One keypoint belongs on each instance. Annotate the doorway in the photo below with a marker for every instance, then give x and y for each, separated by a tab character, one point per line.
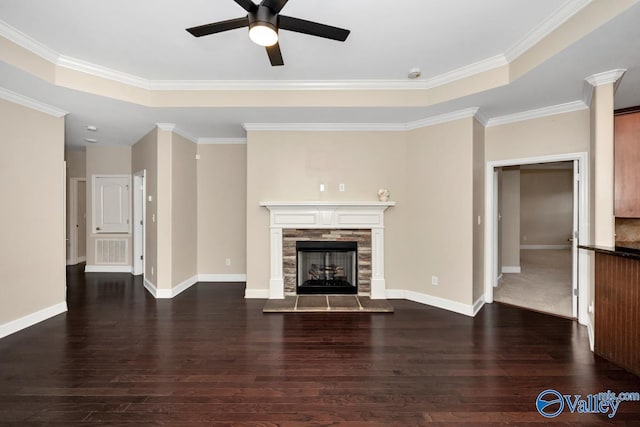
578	162
139	212
536	227
77	220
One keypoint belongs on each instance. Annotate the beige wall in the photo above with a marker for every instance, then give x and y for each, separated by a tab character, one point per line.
478	209
113	160
546	206
510	218
440	226
222	213
144	156
32	184
76	168
290	166
184	210
559	134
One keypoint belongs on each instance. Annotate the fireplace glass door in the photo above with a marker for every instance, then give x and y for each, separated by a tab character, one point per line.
327	267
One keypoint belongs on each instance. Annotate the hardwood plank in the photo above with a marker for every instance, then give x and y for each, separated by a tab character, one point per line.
210	357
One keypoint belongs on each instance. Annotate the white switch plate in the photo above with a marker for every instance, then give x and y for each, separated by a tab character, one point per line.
434	280
227	262
321	187
341	187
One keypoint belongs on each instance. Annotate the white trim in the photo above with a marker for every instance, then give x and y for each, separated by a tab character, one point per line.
469	70
590	332
107	269
544	247
221	141
442	118
607	77
555	20
176	290
511	269
157	293
256	293
362	127
31	319
477	306
443	303
21	39
169	127
490	255
73	219
285	85
150	287
139	266
185	134
25	101
222	277
567	107
325	127
103	72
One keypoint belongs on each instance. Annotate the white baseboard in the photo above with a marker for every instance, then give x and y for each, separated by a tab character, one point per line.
511	269
590	333
184	286
256	293
107	269
456	307
31	319
169	293
498	280
477	306
542	247
222	277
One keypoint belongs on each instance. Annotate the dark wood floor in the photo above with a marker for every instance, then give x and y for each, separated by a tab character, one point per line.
209	357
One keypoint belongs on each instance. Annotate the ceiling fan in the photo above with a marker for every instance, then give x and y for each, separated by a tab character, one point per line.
264	22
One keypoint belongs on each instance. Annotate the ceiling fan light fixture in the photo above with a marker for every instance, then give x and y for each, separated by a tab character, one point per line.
263	33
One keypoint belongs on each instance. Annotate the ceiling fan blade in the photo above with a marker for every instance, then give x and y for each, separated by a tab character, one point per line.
275	5
247	5
312	28
275	56
218	27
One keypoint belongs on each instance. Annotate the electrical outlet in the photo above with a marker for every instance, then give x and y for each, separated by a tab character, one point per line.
524	237
434	280
152	270
321	187
227	262
341	188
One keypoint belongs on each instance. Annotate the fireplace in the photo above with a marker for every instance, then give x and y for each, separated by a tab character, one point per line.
326	267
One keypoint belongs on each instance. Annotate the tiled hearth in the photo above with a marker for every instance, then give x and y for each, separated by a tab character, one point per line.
337	221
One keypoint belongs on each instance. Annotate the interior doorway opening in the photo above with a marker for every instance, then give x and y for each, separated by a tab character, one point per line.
139	214
77	221
493	242
535	231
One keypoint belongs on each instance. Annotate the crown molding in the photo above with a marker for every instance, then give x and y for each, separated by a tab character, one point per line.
362	127
221	141
442	118
284	85
607	77
100	71
467	71
18	37
537	113
169	127
325	127
16	98
555	20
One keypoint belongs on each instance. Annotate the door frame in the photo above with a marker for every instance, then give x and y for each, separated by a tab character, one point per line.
491	213
139	222
73	230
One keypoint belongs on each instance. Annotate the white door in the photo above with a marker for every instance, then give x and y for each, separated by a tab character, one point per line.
574	237
111	204
138	222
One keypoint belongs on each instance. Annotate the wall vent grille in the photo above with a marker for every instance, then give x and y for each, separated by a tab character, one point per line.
112	251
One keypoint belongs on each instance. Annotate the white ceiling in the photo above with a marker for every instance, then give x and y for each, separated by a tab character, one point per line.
146	38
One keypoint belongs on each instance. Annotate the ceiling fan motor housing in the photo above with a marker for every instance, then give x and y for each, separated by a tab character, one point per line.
263	16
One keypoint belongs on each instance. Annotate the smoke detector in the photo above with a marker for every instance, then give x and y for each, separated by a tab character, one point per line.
414	73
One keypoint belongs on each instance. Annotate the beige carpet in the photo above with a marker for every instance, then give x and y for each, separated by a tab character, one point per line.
544	283
324	303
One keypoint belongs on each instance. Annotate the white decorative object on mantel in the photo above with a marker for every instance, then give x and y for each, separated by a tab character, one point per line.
383	195
313	215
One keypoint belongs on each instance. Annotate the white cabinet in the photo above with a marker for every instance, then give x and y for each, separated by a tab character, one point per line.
111	206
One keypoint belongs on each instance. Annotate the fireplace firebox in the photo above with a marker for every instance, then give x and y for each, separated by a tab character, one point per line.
327	267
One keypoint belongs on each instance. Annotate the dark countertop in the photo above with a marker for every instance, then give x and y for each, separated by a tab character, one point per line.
624	249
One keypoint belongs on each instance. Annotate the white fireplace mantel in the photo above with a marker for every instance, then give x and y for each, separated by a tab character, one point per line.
319	215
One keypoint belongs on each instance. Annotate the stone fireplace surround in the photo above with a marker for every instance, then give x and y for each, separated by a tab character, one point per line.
326	216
